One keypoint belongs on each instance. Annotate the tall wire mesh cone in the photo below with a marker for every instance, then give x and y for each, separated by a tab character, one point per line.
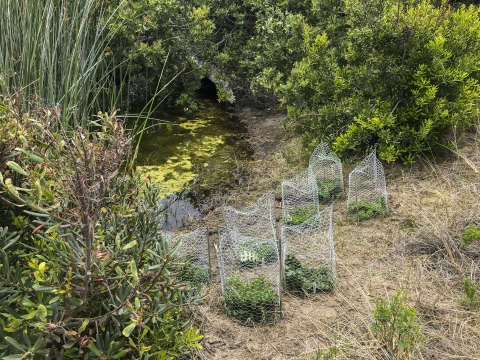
250	275
328	173
367	190
299	198
308	254
193	247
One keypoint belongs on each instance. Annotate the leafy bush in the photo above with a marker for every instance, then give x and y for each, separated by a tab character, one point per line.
254	253
299	215
91	274
299	278
386	78
329	190
365	209
471	234
470	299
397	326
255	302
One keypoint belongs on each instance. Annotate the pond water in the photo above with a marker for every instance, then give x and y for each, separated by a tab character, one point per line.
192	156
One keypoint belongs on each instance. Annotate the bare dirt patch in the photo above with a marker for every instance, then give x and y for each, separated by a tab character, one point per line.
416	248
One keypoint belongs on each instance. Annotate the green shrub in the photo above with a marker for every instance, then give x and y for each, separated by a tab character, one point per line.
255	302
256	252
365	209
195	275
90	273
470	299
299	278
329	190
386	78
471	234
397	326
299	215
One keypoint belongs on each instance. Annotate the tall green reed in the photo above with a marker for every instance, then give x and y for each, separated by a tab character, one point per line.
57	52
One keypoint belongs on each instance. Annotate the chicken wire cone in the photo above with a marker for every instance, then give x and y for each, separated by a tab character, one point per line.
367	189
299	198
255	221
250	275
327	169
194	248
308	254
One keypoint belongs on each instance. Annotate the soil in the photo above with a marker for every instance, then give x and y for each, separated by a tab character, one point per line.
415	248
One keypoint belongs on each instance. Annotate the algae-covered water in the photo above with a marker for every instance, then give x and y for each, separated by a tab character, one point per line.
191	156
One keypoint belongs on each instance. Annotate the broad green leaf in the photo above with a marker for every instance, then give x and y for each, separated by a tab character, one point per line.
128	330
30	315
15	344
42	312
94	349
42	288
28	303
13	357
15	167
130	245
83	326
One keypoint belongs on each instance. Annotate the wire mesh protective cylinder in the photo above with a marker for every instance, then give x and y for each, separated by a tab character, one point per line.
256	221
367	190
299	198
308	254
250	275
327	169
194	246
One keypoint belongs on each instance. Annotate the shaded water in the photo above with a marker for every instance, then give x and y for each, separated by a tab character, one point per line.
192	156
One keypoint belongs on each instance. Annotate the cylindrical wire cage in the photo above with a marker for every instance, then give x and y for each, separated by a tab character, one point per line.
308	254
299	198
328	173
367	190
250	275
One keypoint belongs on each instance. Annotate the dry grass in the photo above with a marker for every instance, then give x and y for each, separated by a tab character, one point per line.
416	248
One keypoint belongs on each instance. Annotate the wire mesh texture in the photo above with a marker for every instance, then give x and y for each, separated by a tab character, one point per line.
299	198
327	169
255	221
194	247
250	275
367	190
308	254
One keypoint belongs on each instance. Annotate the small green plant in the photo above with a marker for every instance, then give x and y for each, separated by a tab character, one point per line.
255	302
329	355
470	300
329	190
254	253
365	209
300	279
299	215
195	275
397	326
471	234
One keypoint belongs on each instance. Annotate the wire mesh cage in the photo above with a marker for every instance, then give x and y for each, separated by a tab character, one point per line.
250	275
367	190
308	254
327	169
299	198
256	221
194	247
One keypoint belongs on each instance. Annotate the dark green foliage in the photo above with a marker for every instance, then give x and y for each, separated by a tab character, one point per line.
365	209
470	299
195	275
329	190
299	215
256	252
299	278
256	302
471	234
